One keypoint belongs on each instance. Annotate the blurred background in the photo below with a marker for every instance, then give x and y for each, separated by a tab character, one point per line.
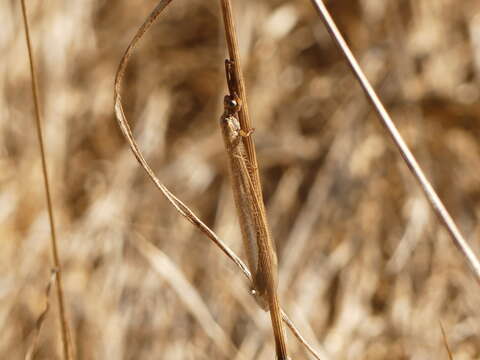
366	272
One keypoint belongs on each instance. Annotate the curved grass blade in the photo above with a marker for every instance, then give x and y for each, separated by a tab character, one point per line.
183	209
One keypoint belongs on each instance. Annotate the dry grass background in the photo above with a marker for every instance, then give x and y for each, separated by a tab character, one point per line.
366	272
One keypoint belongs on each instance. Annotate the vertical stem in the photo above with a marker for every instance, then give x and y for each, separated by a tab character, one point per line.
54	247
264	244
243	114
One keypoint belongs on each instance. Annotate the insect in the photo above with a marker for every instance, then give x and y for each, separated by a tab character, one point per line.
258	243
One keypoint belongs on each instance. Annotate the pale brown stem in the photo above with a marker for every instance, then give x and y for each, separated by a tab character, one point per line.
54	246
266	250
255	233
243	115
405	152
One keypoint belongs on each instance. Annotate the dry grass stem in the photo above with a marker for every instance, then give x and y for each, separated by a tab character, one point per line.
258	244
54	245
243	115
445	341
405	152
315	353
246	187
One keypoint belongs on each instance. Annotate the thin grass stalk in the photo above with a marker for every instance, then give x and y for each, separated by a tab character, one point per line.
264	243
54	246
405	152
253	224
445	342
243	115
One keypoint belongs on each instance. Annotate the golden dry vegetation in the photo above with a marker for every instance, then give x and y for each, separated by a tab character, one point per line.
366	271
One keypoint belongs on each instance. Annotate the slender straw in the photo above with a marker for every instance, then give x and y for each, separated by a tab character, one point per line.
54	247
244	116
407	155
252	169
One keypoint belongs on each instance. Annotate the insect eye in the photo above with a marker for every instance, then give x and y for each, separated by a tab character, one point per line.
230	102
